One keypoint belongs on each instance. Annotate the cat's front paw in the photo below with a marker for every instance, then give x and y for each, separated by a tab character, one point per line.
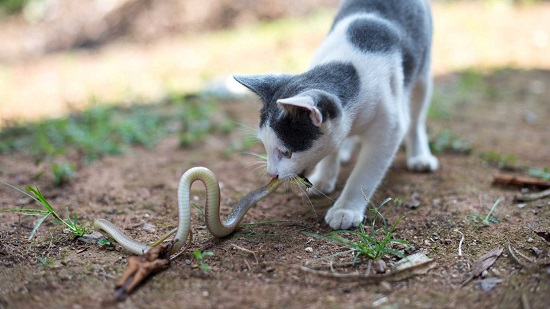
423	163
341	219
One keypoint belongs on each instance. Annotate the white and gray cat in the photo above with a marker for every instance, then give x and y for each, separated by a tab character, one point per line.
369	82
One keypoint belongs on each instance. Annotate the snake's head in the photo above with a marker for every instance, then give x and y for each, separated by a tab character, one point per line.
303	181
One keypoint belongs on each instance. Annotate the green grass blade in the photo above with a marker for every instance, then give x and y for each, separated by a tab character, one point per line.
37	225
16	188
27	211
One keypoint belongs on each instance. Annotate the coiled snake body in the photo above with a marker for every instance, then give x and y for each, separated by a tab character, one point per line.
212	211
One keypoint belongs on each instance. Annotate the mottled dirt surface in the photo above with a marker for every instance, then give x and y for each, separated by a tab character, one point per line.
509	114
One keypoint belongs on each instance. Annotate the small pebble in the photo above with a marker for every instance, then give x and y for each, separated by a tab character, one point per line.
309	249
521	205
484	274
146	215
379	266
488	284
530	118
530	239
91	238
385	286
380	301
149	228
537	251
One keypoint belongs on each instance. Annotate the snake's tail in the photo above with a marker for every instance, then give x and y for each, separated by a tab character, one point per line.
175	254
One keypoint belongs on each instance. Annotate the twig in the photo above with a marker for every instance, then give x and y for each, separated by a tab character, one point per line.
525	301
247	265
532	196
246	250
460	243
396	275
324	266
513	252
520	181
369	267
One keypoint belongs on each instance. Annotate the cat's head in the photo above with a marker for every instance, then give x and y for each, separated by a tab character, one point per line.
300	121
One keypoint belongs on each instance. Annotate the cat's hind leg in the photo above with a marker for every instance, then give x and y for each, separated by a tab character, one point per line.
419	156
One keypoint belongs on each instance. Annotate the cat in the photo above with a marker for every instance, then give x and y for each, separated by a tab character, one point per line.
369	83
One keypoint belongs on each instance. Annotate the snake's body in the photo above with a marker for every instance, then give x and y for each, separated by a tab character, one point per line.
215	225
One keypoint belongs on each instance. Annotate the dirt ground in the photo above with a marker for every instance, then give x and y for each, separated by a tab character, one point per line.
502	112
511	118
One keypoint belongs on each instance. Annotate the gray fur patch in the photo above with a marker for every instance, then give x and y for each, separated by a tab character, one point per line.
412	20
370	35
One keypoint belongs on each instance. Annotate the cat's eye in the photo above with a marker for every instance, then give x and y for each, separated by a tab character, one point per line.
287	154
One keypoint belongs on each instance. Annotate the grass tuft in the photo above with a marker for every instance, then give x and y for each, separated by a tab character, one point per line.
373	242
199	256
478	220
101	130
71	224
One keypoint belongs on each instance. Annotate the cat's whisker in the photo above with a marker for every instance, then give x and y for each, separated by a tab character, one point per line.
255	163
319	192
259	170
248	127
301	186
263	157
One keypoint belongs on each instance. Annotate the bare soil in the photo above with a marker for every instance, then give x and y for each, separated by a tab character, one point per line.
140	187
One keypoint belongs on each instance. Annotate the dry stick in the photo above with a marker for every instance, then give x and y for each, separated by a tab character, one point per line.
532	196
246	250
460	243
525	301
397	275
329	266
520	181
513	252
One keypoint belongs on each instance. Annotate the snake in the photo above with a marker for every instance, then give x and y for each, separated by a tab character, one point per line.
216	226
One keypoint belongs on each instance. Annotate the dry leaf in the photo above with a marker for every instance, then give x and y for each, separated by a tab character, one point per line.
483	263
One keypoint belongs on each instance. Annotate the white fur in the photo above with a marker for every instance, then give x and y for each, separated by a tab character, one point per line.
379	121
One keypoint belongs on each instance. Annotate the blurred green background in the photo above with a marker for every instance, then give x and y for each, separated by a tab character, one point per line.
80	79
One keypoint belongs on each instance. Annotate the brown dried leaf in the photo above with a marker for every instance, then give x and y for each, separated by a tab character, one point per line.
483	263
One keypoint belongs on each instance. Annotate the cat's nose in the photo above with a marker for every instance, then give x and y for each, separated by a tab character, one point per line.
273	176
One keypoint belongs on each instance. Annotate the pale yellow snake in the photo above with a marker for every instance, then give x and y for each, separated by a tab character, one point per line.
212	211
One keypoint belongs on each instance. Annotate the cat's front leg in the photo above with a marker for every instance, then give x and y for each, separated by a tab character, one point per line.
378	149
325	175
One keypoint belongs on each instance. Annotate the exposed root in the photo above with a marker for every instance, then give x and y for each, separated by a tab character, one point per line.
141	267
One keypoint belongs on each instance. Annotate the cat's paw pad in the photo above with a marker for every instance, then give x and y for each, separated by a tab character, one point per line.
423	163
341	219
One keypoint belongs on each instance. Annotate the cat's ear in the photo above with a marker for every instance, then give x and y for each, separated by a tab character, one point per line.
303	102
264	85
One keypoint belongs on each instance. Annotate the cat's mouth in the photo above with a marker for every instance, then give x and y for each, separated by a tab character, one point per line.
299	179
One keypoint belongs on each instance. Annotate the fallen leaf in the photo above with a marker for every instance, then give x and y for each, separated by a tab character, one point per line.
483	263
411	261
